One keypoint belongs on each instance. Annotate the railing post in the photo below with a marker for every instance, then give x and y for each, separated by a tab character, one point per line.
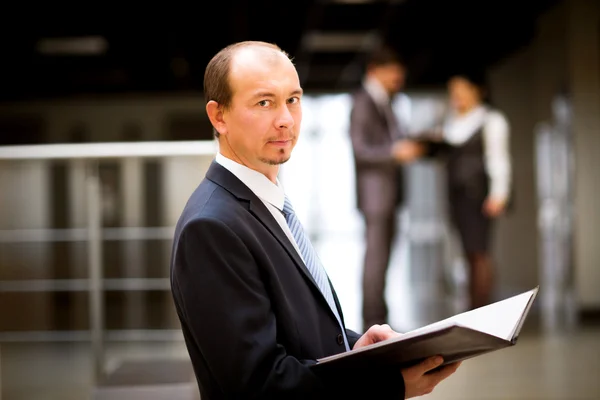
96	301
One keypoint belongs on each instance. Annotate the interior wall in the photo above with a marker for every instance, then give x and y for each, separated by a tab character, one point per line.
563	57
584	79
523	87
514	251
113	118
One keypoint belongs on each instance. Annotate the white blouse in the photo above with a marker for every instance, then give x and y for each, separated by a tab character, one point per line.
496	131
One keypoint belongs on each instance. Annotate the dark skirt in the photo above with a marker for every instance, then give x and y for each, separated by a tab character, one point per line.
467	216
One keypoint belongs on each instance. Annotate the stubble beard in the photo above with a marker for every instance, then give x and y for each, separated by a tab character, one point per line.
278	161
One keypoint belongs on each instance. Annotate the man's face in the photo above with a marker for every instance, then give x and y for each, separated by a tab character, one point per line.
262	125
391	76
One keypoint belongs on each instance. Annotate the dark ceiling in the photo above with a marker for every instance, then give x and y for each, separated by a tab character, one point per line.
167	49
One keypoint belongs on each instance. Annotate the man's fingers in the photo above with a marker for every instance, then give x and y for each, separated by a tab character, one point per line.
445	371
430	363
388	329
381	332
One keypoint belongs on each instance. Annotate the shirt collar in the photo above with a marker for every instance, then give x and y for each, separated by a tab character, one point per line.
458	127
262	187
376	91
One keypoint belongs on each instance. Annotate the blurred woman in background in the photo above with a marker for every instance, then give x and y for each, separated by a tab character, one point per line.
475	148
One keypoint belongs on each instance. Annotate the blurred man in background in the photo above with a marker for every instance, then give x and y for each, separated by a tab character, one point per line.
380	148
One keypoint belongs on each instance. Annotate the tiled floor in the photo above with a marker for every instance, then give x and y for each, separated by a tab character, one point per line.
63	371
538	367
562	367
541	366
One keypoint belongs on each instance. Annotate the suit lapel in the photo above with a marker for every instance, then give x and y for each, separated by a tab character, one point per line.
258	209
388	117
224	178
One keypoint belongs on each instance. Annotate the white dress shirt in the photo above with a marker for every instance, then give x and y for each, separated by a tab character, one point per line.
272	195
377	92
460	128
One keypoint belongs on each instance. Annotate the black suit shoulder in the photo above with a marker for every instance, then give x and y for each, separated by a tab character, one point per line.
212	202
360	97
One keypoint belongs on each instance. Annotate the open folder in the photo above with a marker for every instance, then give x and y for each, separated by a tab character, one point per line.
457	338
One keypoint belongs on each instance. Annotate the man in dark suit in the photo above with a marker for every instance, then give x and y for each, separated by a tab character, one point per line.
256	307
380	147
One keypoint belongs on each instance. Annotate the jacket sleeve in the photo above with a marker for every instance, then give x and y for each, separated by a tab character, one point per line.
352	337
228	314
361	125
496	135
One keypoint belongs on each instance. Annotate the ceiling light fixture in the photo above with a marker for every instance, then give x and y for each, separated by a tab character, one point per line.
85	45
340	41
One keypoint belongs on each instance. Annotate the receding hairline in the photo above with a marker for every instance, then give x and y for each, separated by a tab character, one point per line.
256	58
254	43
269	51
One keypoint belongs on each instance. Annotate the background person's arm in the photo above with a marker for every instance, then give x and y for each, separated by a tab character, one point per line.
497	162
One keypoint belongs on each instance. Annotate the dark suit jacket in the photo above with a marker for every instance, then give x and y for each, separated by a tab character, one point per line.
379	180
252	317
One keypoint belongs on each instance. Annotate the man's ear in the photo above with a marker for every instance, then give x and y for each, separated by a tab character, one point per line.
215	113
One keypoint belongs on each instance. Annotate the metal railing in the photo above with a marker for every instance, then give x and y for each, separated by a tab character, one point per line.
94	235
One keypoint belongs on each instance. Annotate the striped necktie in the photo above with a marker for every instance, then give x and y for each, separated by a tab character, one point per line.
311	260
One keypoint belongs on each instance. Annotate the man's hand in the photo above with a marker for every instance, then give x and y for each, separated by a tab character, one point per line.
374	334
406	151
418	382
419	379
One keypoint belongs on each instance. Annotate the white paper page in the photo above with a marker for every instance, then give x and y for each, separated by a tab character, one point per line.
436	326
497	319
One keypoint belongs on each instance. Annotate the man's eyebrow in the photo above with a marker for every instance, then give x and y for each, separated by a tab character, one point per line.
263	94
297	92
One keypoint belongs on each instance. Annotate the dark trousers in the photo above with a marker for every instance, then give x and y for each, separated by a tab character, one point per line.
379	234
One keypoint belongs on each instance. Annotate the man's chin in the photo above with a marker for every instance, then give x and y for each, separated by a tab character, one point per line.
276	161
282	157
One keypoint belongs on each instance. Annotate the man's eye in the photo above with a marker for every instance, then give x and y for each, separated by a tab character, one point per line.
263	103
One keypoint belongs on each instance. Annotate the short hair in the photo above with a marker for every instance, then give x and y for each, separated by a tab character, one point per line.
384	55
476	77
216	76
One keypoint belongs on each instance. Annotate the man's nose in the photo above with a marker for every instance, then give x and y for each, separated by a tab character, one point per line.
285	118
